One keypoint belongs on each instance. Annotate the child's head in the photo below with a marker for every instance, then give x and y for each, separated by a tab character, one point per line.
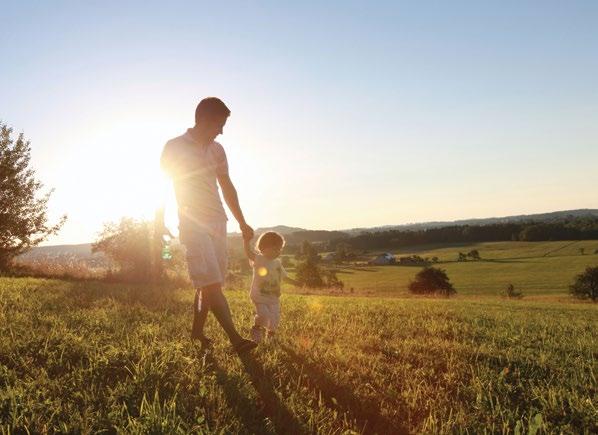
270	244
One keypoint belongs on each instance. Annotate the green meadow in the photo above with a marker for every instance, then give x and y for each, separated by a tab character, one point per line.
89	357
538	269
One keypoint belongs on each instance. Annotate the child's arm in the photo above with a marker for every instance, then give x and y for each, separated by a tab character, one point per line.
248	250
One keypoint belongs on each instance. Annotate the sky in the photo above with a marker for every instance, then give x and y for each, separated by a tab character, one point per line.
344	114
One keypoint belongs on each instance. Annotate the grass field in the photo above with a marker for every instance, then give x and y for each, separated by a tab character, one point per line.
92	357
536	268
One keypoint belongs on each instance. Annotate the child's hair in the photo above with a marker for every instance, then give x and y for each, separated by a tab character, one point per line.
270	239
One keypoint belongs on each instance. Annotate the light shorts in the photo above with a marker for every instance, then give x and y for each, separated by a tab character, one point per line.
267	314
205	250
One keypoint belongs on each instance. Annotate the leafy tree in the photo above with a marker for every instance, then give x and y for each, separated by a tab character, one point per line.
308	252
23	211
462	257
343	251
586	284
309	274
431	280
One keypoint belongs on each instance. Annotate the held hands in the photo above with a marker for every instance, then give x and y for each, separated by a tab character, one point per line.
247	231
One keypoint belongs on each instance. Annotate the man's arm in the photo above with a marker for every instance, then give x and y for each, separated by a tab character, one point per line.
232	201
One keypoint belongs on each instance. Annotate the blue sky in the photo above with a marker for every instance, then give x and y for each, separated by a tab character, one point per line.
344	115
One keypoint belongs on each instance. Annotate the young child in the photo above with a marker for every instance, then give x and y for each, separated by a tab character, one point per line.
268	275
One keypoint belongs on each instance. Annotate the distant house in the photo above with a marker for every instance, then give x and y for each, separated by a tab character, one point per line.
383	259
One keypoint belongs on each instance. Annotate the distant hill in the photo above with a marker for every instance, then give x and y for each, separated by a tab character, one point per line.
295	235
538	217
80	251
282	229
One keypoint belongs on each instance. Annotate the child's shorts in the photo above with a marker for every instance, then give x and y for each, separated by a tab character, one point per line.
267	314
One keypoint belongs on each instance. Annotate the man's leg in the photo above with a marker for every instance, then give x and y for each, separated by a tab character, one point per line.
200	314
216	301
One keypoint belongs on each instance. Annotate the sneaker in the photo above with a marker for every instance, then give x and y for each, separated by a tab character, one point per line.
244	346
257	334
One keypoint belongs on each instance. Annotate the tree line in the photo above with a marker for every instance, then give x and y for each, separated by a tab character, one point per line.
580	228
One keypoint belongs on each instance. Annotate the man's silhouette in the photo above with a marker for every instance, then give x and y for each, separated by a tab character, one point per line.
197	165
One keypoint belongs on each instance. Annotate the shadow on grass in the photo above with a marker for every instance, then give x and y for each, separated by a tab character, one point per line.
253	414
366	413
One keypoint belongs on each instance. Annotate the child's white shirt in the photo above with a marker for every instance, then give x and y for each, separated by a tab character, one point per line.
267	278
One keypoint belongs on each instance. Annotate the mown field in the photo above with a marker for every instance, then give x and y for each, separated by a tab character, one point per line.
93	357
536	268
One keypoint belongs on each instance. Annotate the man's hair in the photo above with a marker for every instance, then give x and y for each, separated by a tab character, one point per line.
270	239
211	108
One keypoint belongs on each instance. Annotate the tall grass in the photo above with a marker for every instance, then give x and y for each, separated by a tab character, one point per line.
93	357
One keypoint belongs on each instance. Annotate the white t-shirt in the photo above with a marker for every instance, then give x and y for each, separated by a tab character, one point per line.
194	170
267	277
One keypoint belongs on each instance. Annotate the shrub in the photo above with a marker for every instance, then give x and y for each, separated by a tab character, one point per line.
332	281
586	284
431	280
414	260
474	254
511	292
136	248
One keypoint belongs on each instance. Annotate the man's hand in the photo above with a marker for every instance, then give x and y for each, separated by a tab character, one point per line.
247	231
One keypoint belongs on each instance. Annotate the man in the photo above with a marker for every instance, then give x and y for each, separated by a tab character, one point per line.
197	164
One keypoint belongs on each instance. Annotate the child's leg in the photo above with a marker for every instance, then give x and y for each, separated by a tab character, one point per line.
260	321
274	309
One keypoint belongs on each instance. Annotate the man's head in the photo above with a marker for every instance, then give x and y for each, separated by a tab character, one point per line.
210	116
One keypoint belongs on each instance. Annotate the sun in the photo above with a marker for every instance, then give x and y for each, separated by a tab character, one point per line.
116	173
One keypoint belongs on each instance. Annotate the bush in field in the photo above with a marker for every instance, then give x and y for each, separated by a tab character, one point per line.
474	254
462	257
413	260
511	292
136	248
129	244
23	218
332	281
431	280
586	284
